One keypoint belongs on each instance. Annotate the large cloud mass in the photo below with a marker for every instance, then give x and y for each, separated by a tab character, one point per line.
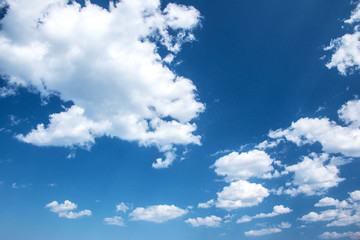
107	62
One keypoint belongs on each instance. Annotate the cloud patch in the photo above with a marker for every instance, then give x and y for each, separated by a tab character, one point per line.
267	231
344	213
107	62
334	138
241	194
277	210
116	220
65	210
243	166
157	213
210	221
314	175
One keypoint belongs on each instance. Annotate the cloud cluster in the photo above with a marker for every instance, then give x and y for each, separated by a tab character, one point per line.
335	235
241	194
116	220
211	221
267	231
107	62
157	213
235	166
277	210
344	213
122	207
65	210
333	137
314	175
346	56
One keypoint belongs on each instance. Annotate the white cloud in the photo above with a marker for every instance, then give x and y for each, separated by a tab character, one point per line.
107	63
323	216
313	175
241	194
74	215
327	202
261	232
116	220
7	91
277	210
208	204
335	235
65	129
169	158
332	137
244	219
157	213
346	212
346	56
355	196
267	231
211	221
268	144
122	207
350	113
235	166
65	210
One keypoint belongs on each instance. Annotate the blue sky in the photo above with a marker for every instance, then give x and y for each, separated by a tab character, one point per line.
143	119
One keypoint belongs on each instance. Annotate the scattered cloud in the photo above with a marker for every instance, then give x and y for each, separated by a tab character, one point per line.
107	62
314	175
157	213
65	210
241	194
208	204
333	137
243	166
211	221
267	231
350	113
18	186
346	48
346	212
116	220
122	207
335	235
277	210
7	91
268	144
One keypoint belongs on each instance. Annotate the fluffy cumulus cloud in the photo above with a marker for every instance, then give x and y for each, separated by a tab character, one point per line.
107	62
241	194
267	231
116	220
157	213
211	221
343	213
277	210
346	56
243	166
65	210
350	113
334	138
314	175
336	235
208	204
